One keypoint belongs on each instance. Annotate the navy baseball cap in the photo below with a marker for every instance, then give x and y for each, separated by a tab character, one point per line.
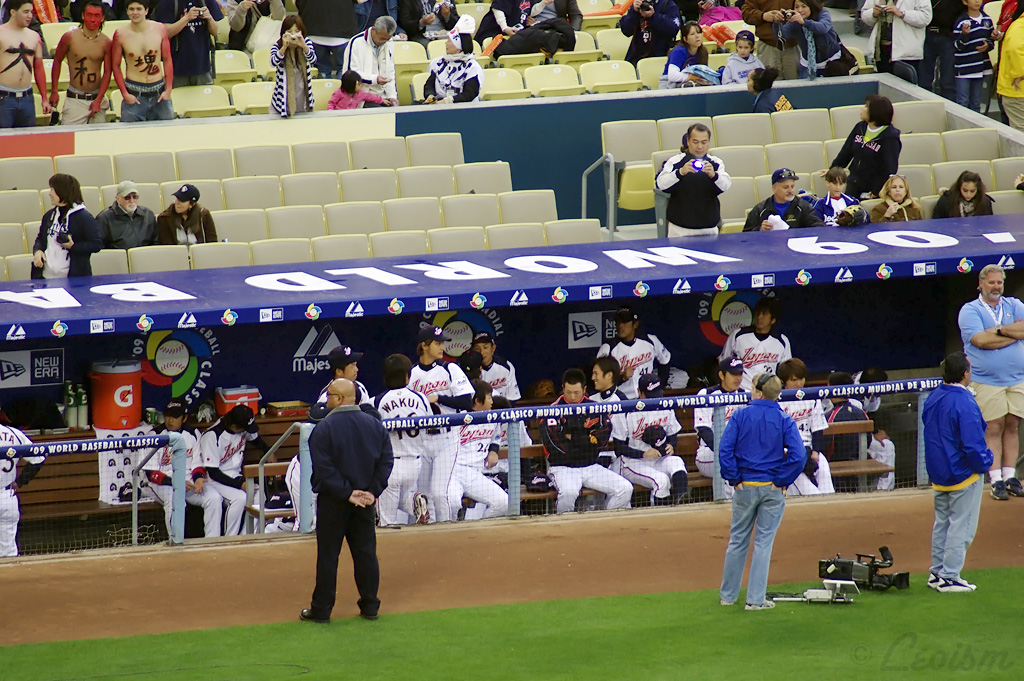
483	337
625	314
187	192
732	365
242	417
656	437
341	356
783	174
318	411
470	361
746	35
650	385
175	408
431	333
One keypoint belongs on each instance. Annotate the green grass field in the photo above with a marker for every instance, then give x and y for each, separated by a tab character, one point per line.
686	635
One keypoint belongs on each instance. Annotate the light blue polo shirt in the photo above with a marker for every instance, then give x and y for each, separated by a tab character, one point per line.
1002	367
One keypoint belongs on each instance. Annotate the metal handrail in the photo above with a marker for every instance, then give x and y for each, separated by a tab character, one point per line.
262	477
611	183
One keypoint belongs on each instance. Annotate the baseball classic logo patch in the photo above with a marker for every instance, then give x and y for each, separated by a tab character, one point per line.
181	359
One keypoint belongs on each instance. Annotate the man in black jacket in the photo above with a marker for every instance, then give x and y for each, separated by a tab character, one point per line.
352	460
124	223
938	47
694	180
426	20
551	26
329	24
782	210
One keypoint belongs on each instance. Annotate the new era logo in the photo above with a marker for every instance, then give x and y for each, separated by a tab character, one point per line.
519	299
599	292
844	275
16	332
354	310
582	330
926	269
10	369
101	326
271	314
682	286
762	280
187	321
436	304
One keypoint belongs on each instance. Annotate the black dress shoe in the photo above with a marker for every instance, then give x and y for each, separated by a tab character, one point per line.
368	616
307	616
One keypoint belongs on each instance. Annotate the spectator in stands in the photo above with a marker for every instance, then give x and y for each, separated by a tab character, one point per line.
775	52
68	234
742	61
192	30
87	51
689	52
975	37
816	38
457	76
966	198
185	222
351	94
836	200
816	478
426	20
572	444
293	57
21	56
782	210
124	223
505	18
145	85
369	11
243	15
872	149
897	34
551	26
1011	71
329	25
652	25
766	98
694	180
897	204
991	328
938	48
112	10
369	54
730	375
760	346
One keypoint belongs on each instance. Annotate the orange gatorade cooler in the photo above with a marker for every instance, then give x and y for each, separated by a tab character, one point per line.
224	399
116	394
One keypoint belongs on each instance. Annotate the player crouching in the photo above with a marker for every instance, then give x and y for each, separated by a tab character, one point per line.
478	452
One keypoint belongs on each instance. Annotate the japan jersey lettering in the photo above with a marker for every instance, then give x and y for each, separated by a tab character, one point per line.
809	417
442	379
475	441
640	356
404	403
502	377
759	355
639	421
161	461
224	450
9	467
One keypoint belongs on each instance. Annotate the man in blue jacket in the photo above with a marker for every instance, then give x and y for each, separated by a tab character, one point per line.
957	458
653	26
760	456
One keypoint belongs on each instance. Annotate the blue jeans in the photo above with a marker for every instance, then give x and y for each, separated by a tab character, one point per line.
938	47
148	109
968	92
751	506
17	112
328	59
956	521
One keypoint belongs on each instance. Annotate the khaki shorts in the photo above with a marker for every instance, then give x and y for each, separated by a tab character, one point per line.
998	401
76	112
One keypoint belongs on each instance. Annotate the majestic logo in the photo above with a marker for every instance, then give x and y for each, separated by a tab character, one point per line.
560	295
436	304
682	287
101	326
10	369
396	306
762	280
313	312
311	355
1006	262
271	314
844	275
478	301
181	359
884	272
581	330
144	324
719	314
722	283
519	299
354	310
641	289
16	332
600	292
229	317
803	277
59	329
187	321
965	266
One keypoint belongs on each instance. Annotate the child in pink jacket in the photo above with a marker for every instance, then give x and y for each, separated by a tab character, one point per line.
351	96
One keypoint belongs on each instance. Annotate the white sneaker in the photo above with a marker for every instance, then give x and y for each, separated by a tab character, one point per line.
727	603
767	605
419	504
953	586
934	580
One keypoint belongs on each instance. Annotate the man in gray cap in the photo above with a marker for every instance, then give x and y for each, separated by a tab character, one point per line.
125	224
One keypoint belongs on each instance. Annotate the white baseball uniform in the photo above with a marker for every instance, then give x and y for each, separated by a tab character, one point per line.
704	417
225	451
159	469
10	514
760	352
884	452
362	396
654	474
475	442
454	393
501	374
408	447
639	355
618	421
810	419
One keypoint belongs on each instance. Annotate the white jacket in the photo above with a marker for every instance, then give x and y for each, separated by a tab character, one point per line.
359	57
907	33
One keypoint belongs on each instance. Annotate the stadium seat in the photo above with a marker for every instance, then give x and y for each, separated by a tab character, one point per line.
436	48
565	232
457	239
280	251
368	185
323	90
945	174
745	161
515	235
149	196
519	62
319	157
658	160
210	194
609	76
205	164
210	256
288	222
31	232
425	180
489	177
971	143
52	34
410	57
802	125
612	43
1007	202
310	189
470	210
384	153
803	157
586	51
340	247
1006	171
743	129
502	84
19	267
763	185
717	60
928	205
148	167
733	227
741	197
869	204
435	148
252	98
919	176
844	118
251	192
354	217
158	259
27	172
649	71
109	261
201	101
535	205
630	141
269	160
90	194
919	116
832	149
240	225
922	147
553	80
98	169
416	86
671	130
261	62
22	205
398	244
596	24
232	66
862	67
12	239
412	213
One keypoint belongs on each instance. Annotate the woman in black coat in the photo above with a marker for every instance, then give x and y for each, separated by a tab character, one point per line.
872	151
68	233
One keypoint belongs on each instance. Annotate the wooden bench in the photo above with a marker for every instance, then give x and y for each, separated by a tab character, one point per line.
254	495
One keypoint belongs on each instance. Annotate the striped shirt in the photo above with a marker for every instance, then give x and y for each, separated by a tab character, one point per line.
970	63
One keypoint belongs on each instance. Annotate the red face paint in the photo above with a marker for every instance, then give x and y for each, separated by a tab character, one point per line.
92	18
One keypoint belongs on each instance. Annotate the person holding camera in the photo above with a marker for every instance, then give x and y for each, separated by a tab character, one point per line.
897	34
192	29
426	20
293	57
652	25
768	18
68	234
243	15
507	17
694	180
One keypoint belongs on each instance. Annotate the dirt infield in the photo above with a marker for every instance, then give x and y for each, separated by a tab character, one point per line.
117	593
